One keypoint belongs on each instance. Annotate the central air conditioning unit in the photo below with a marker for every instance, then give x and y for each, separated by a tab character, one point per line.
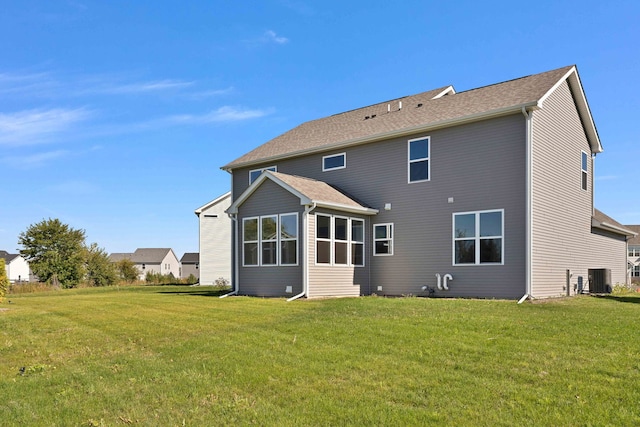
600	281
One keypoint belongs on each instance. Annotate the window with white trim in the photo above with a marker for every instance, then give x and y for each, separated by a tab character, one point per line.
634	250
478	237
635	271
418	157
339	240
383	239
334	161
254	174
585	169
270	240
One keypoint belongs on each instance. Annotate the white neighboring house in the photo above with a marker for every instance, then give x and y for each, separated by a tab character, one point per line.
215	240
157	260
633	254
16	266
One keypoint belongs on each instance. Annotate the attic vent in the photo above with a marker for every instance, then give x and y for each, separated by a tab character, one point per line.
420	105
373	116
366	117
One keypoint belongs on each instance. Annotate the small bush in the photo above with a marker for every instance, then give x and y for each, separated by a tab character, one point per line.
221	282
192	280
4	280
622	289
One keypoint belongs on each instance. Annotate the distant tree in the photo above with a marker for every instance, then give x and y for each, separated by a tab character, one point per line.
127	270
55	252
192	279
98	269
4	280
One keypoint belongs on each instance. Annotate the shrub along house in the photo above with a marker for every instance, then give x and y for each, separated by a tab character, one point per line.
482	193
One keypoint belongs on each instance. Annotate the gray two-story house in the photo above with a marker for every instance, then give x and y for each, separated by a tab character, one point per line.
481	193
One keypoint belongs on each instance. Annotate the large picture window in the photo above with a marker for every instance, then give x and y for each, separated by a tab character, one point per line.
270	240
478	237
383	239
339	240
419	163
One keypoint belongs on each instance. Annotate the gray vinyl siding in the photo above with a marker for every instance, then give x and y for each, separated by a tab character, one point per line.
187	269
481	165
336	280
215	243
562	210
270	199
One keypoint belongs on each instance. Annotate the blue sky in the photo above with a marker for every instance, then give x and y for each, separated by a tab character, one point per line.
115	116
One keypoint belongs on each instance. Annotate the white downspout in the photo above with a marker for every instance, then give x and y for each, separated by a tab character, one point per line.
529	202
439	281
305	253
236	284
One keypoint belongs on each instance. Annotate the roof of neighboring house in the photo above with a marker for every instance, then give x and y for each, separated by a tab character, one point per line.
636	229
143	255
424	111
605	222
213	203
310	191
7	256
190	258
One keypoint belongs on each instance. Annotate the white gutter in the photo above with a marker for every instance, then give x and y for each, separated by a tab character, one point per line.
236	284
529	202
305	253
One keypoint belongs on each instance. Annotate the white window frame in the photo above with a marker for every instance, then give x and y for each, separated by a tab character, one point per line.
344	163
635	271
245	241
477	238
634	251
390	237
269	168
421	159
273	240
278	240
281	239
584	172
353	242
332	241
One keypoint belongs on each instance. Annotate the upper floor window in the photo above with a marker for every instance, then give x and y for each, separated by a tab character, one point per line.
334	161
585	169
419	164
478	237
634	250
383	239
254	174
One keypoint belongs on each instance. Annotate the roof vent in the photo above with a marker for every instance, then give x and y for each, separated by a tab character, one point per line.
373	116
400	105
420	105
366	117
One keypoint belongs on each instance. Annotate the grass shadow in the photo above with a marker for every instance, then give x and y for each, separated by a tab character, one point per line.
197	292
621	298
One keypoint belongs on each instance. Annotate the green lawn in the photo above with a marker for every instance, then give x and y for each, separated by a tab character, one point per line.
174	356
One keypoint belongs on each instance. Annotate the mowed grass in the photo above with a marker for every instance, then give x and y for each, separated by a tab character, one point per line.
174	356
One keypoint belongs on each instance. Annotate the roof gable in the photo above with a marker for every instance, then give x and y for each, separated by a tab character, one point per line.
212	203
434	109
190	258
309	191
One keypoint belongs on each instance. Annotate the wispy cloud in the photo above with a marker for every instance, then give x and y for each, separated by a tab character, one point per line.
271	37
211	93
222	114
38	84
34	161
606	177
36	126
135	88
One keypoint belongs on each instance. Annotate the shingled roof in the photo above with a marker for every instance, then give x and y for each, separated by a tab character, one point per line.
310	191
605	222
428	110
142	255
636	229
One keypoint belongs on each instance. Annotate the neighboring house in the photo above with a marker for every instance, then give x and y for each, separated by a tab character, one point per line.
482	193
215	240
190	264
633	254
16	266
157	260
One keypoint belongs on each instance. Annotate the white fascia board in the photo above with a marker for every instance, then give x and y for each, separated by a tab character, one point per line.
611	227
346	208
233	209
212	203
447	91
582	105
533	105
